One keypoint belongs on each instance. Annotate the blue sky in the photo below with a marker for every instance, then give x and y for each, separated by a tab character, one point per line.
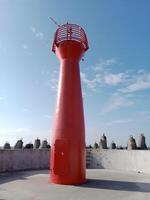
115	73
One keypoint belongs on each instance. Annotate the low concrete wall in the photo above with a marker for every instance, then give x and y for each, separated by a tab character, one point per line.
24	159
129	160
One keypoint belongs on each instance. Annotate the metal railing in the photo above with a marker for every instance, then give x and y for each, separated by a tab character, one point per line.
70	32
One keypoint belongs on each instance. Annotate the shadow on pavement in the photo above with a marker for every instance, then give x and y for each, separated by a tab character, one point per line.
21	175
117	185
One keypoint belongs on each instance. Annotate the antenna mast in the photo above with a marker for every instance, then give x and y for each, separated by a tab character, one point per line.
54	21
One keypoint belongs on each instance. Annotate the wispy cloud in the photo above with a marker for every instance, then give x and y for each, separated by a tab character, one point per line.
27	134
90	83
114	79
52	80
103	75
48	116
115	102
119	121
13	131
129	81
3	98
144	115
25	46
38	34
53	83
104	63
141	82
26	110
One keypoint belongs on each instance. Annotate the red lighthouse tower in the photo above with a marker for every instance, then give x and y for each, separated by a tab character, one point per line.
68	134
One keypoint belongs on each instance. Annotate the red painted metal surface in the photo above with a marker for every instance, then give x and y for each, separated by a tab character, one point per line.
67	162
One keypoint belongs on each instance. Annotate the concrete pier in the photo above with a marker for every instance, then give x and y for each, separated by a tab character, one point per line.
101	184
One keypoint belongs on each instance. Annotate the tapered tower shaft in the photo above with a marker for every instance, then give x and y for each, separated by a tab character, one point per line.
68	135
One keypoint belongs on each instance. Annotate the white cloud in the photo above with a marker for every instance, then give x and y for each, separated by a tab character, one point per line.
52	82
115	102
48	116
3	98
122	121
119	121
142	82
26	110
27	134
104	63
102	79
33	29
144	115
13	131
103	76
89	83
114	79
140	71
38	34
25	46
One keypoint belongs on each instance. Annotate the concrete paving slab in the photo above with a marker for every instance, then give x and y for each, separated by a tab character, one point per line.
102	184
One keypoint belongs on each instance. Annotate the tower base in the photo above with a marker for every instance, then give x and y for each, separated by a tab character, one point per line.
67	182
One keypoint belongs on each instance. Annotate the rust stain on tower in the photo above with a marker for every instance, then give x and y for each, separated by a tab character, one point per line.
68	135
